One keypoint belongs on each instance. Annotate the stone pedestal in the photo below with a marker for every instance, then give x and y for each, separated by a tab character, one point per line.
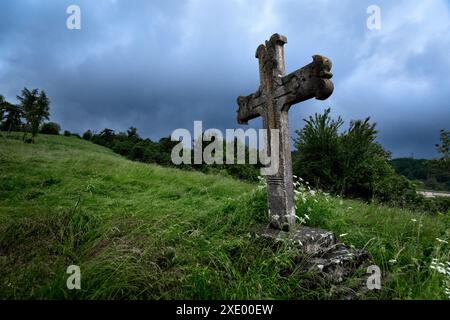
321	251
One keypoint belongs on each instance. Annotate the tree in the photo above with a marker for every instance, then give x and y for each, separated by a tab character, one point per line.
317	144
350	163
133	135
87	135
444	147
11	116
50	128
2	109
35	106
440	168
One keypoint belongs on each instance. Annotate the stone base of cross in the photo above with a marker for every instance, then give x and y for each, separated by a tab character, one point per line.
276	94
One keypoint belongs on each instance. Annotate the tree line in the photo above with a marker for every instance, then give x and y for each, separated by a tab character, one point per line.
349	163
136	148
428	174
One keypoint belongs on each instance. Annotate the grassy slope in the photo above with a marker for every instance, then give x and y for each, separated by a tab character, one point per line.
140	231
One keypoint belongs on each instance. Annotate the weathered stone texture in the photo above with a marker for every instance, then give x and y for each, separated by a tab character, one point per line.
276	94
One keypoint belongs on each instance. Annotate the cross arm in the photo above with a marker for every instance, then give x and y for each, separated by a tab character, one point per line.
250	106
311	81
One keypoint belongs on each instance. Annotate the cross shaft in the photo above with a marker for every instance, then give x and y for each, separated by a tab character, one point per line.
276	94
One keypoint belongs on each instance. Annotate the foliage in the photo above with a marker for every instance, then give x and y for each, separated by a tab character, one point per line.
132	146
35	107
10	116
67	133
413	169
432	174
444	147
50	128
88	135
2	108
350	164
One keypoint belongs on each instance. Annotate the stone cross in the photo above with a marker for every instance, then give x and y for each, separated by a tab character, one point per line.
276	94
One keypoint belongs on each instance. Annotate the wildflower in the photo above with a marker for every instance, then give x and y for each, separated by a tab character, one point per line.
301	220
441	241
392	261
440	267
343	235
414	220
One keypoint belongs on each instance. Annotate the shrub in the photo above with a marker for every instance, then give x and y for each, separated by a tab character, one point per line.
350	163
67	133
87	135
50	128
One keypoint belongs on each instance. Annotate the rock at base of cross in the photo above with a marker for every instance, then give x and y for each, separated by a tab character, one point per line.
319	250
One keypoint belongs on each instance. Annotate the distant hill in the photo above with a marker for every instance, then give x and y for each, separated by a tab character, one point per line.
423	172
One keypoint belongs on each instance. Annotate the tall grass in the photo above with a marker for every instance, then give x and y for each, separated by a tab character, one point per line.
144	232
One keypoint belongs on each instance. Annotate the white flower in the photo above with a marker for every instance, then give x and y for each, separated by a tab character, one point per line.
343	235
414	220
392	261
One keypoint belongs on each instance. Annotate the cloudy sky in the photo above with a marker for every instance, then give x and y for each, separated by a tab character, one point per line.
160	65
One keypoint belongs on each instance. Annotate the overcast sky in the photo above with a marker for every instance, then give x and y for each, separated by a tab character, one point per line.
160	65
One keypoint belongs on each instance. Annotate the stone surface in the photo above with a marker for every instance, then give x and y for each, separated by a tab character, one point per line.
276	94
334	260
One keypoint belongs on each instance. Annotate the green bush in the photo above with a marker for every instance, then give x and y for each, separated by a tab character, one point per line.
349	163
87	135
50	128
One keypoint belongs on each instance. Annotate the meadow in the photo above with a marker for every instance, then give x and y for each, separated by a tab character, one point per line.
141	231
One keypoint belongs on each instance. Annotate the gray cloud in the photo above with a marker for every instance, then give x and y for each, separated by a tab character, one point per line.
160	65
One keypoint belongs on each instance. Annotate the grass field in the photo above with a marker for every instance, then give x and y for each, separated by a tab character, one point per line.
140	231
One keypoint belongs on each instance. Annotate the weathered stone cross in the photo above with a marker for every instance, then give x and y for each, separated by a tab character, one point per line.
276	93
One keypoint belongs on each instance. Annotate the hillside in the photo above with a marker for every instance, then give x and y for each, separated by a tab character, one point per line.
422	172
140	231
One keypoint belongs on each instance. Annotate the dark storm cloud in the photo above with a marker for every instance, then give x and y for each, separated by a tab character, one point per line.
160	65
